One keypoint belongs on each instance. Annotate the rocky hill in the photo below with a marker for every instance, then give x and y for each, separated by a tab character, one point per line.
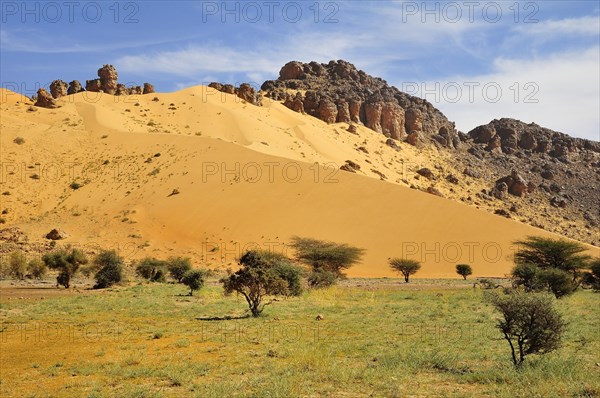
339	92
531	173
517	170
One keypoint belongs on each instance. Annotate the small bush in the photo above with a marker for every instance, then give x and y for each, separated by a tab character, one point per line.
75	185
530	323
36	268
464	270
534	278
194	279
19	140
151	269
17	264
178	266
110	269
321	278
592	278
67	262
559	282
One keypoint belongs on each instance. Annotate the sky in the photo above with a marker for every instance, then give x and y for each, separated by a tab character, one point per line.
537	61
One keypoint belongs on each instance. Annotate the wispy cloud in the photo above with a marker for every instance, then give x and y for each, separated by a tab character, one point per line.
37	42
559	91
583	26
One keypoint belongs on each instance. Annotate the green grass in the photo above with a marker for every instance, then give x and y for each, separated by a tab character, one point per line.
373	341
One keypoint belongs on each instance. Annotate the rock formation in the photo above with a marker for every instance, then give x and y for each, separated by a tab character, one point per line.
107	82
45	100
58	89
108	79
338	92
148	88
245	91
510	136
75	87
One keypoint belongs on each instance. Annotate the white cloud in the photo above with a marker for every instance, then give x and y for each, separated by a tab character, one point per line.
565	86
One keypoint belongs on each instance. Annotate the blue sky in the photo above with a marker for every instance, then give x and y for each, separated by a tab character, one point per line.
475	60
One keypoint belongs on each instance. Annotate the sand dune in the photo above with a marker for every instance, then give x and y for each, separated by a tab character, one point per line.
245	177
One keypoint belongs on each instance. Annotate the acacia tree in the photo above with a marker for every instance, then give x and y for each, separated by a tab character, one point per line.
529	323
194	279
549	264
263	274
464	270
178	266
326	256
547	253
67	262
405	266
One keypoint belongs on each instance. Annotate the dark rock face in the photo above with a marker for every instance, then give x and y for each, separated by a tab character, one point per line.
425	172
516	184
58	89
295	103
75	87
339	92
45	100
513	135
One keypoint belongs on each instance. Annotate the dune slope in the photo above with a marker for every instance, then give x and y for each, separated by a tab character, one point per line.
202	174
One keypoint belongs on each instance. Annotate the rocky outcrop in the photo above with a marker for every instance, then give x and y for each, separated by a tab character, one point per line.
75	87
248	94
107	82
58	88
45	100
516	184
245	91
148	88
108	79
295	103
511	136
339	92
93	85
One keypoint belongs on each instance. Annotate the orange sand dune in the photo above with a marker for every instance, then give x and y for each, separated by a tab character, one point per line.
243	177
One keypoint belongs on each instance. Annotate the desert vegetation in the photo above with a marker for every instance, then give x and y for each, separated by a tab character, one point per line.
406	267
514	332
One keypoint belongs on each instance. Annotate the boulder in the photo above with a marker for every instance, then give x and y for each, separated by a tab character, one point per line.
75	87
45	100
291	70
56	234
148	88
58	88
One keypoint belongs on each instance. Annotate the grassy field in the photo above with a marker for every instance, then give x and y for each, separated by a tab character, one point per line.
436	339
